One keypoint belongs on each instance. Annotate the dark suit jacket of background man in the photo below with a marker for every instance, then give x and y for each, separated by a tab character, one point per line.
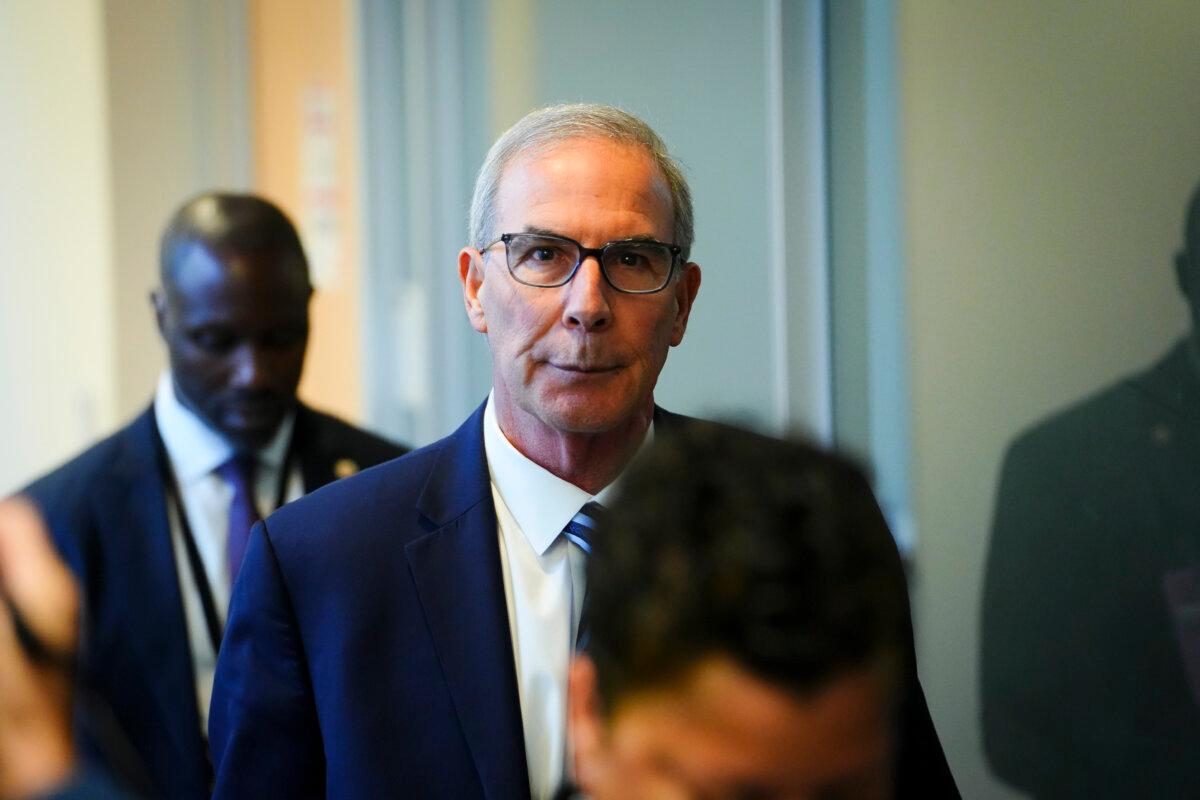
368	652
107	512
1084	690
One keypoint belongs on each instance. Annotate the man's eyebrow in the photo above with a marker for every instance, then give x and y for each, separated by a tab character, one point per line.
637	237
542	231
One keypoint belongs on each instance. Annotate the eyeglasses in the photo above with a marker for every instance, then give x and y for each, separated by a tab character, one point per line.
636	266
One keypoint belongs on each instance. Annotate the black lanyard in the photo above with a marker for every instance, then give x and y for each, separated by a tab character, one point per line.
195	564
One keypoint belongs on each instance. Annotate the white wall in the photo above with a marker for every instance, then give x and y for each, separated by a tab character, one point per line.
1049	149
177	85
57	319
111	113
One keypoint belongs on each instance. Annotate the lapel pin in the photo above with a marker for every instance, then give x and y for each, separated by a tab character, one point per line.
345	467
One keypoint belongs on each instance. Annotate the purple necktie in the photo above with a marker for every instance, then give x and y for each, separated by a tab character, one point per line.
238	472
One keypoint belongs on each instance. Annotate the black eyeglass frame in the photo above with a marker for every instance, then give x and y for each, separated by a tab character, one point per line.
675	250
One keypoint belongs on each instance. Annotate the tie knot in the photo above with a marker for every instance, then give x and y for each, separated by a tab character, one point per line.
583	525
239	471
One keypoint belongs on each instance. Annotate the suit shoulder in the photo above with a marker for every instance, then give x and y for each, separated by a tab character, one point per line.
670	424
1121	413
679	425
334	435
70	496
75	477
364	501
1089	448
1110	416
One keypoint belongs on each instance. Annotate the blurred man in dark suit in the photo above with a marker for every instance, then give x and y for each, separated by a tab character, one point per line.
154	520
1091	607
748	630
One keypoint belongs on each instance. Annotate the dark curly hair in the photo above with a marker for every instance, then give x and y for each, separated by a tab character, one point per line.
725	542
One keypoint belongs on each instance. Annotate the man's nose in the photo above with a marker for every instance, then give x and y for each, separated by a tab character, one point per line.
251	366
587	304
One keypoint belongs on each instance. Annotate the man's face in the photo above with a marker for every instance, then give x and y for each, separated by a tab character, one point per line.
236	328
582	357
722	733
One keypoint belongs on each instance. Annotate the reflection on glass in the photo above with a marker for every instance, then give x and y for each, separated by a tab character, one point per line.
1091	615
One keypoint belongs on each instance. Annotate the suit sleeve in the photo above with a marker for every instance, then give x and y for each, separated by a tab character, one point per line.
263	723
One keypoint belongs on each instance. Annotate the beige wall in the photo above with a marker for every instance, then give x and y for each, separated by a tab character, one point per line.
227	82
185	61
57	320
302	68
1049	148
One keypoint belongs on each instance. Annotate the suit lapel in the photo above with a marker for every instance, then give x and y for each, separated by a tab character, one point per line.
456	569
132	516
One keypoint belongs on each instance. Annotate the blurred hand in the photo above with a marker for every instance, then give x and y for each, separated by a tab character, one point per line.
36	751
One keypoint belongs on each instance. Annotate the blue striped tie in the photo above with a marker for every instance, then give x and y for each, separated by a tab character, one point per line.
580	531
581	527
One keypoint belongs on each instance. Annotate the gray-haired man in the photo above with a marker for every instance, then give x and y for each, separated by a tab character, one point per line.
409	631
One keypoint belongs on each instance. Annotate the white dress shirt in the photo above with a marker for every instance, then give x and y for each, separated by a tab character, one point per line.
195	452
544	586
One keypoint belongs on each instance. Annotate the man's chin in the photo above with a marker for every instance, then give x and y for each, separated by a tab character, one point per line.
246	436
591	415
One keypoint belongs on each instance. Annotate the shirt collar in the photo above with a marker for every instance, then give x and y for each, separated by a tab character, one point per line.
194	448
541	502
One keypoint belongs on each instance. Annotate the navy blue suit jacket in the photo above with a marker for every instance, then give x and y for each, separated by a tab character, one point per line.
107	513
368	651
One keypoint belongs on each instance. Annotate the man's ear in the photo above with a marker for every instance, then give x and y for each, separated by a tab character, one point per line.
685	289
470	274
158	301
585	722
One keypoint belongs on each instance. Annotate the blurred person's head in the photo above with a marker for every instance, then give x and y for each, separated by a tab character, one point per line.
1187	262
578	339
746	616
233	312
